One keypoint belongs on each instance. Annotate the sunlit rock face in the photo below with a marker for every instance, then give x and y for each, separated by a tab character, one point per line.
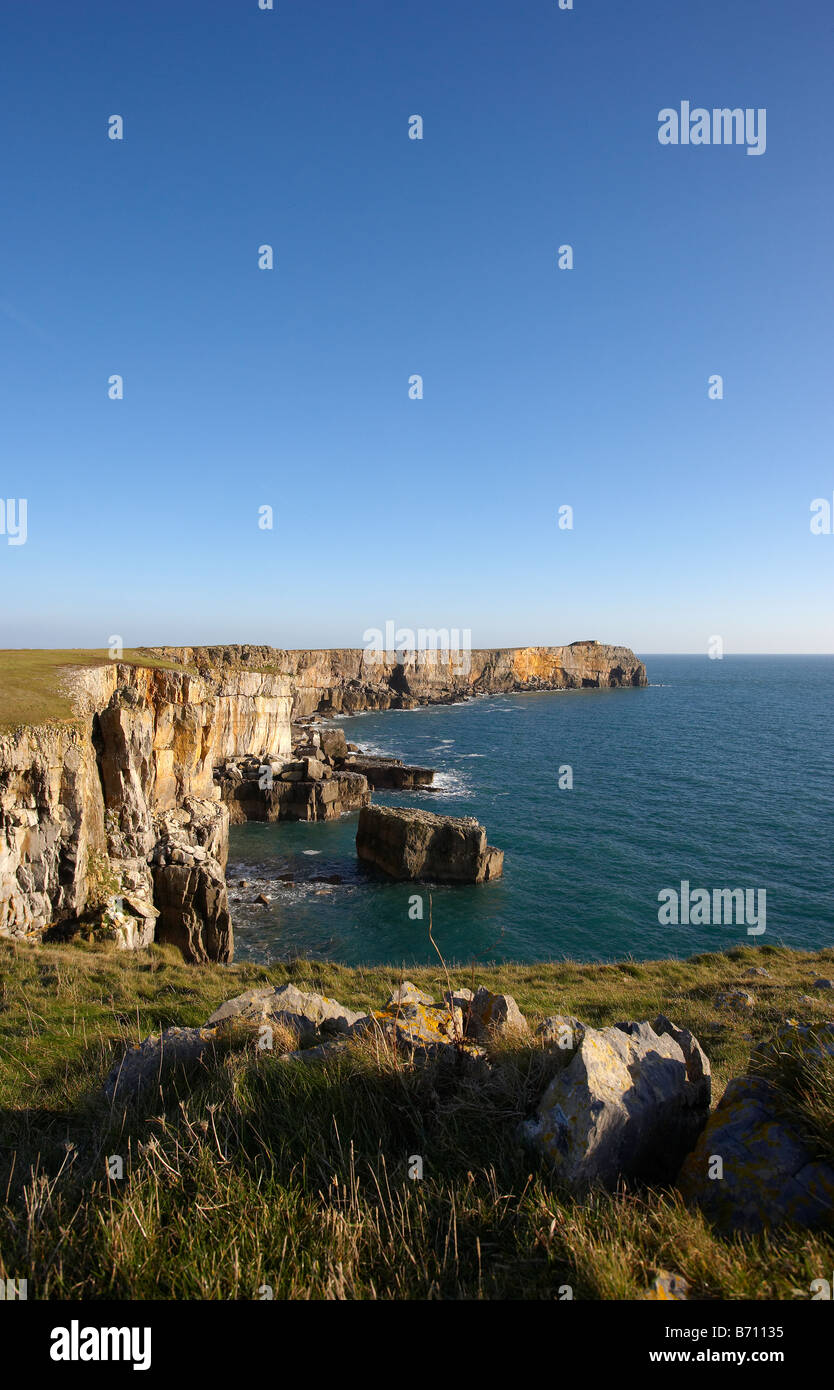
348	680
629	1101
404	843
80	802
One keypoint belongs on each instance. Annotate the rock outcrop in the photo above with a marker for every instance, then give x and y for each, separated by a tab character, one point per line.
306	1013
752	1168
491	1014
628	1102
767	1175
52	836
307	791
145	1064
322	781
410	844
193	905
390	773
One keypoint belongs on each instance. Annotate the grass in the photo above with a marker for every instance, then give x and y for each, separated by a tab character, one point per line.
31	681
246	1172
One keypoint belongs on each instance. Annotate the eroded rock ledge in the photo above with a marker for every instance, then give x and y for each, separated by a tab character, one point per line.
120	817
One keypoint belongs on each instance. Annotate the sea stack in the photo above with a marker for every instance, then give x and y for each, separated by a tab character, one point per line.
409	844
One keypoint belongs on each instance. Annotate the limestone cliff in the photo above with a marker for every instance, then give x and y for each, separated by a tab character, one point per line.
346	680
81	802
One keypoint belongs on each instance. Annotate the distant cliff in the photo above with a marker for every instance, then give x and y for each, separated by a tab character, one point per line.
115	816
347	680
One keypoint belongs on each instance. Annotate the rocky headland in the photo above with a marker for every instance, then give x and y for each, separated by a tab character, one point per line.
117	819
349	680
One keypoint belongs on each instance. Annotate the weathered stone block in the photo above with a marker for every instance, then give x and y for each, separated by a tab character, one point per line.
413	844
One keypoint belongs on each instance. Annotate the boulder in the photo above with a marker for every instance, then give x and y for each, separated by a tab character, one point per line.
415	1027
806	1041
494	1014
739	1000
409	844
767	1174
698	1069
407	993
459	998
623	1107
333	743
307	1013
561	1031
143	1065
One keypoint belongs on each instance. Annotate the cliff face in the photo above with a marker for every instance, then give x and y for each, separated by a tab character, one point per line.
118	811
51	823
82	804
346	680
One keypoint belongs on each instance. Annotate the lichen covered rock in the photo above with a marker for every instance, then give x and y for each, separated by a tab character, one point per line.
765	1176
623	1107
307	1013
415	1027
561	1031
407	993
494	1014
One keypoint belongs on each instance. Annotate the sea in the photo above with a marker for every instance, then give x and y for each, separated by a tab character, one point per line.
719	774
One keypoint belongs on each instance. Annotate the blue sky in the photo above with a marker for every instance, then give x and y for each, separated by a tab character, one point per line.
289	387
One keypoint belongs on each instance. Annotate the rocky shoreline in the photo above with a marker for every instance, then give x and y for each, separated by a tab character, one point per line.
116	823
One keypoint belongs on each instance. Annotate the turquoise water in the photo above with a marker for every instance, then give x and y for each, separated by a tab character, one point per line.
720	773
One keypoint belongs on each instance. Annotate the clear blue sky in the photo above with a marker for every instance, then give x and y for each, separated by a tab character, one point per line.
290	388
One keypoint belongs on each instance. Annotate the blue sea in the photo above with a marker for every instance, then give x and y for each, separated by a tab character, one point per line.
720	773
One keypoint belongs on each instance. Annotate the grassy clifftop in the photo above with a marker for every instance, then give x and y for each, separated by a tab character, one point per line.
250	1173
32	681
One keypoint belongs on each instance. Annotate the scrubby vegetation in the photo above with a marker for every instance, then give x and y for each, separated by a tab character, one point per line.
248	1174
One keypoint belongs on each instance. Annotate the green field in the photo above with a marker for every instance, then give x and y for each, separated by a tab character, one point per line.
249	1172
